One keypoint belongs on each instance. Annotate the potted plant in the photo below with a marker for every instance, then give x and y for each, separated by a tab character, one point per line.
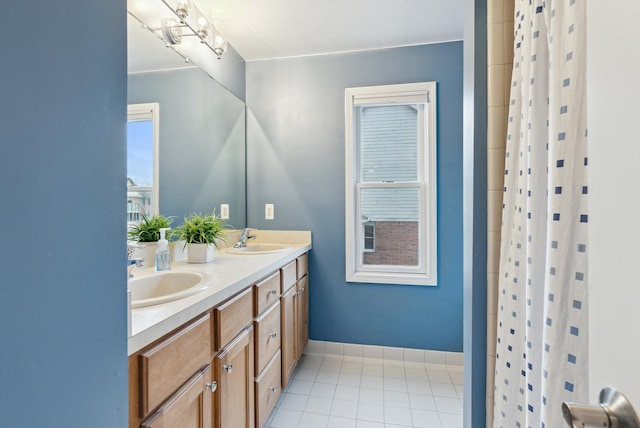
147	232
201	233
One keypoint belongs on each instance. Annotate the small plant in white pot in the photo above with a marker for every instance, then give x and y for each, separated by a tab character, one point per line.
201	233
147	232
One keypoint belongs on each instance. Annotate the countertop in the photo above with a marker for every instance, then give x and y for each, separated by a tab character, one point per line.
227	275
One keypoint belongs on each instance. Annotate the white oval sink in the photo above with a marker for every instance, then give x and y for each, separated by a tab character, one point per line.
259	249
164	287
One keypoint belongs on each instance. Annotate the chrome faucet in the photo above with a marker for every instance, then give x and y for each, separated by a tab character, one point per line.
244	236
133	263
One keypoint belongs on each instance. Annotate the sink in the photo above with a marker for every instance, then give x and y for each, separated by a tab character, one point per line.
253	249
164	287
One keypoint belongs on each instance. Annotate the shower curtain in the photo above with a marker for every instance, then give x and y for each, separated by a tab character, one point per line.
542	344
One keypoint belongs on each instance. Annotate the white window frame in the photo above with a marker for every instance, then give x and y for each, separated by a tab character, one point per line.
426	272
141	112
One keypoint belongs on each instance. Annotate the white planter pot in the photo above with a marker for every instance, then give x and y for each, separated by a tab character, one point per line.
146	252
200	253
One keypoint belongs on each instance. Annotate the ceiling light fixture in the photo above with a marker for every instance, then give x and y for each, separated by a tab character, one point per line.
192	22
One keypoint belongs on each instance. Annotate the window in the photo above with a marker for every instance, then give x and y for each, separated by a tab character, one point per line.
391	184
142	161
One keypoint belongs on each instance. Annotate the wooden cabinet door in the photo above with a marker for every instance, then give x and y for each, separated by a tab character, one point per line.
189	407
302	316
234	372
288	334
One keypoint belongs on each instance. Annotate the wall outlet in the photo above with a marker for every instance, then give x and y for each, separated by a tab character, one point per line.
224	211
268	212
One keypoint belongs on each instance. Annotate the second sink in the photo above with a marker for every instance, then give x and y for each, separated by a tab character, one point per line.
259	248
164	287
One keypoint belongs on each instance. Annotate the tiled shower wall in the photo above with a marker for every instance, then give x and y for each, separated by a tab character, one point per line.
500	63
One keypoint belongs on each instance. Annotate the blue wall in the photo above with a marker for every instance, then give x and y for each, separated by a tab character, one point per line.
295	159
63	337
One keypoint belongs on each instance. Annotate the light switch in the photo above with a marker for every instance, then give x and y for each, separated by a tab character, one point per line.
224	211
269	212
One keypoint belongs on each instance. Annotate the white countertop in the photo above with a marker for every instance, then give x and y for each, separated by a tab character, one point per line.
227	274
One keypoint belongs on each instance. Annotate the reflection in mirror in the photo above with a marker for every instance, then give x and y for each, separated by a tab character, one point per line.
202	130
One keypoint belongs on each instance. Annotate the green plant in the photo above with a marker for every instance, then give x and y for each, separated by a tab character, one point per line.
202	229
148	230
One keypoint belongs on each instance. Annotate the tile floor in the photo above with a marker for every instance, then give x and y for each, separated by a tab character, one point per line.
331	391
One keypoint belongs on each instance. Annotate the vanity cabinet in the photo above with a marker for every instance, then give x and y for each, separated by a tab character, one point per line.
170	380
302	305
267	327
225	368
235	394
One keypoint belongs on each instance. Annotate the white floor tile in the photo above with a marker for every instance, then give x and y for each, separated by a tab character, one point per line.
393	384
357	391
449	420
396	399
338	422
300	387
444	390
347	392
352	379
372	351
394	371
319	405
349	367
391	353
425	419
286	419
372	369
371	396
422	402
344	408
368	381
370	412
294	401
369	424
331	365
334	348
448	405
327	377
439	376
312	420
397	415
311	362
326	390
305	374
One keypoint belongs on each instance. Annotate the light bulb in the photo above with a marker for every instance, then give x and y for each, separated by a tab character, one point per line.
182	10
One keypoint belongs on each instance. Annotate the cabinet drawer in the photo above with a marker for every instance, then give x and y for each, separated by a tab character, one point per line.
302	265
167	365
232	317
266	293
268	390
267	329
289	276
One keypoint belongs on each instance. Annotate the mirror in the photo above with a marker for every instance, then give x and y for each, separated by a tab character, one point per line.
202	130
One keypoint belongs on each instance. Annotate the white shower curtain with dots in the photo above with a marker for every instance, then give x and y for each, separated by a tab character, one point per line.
542	344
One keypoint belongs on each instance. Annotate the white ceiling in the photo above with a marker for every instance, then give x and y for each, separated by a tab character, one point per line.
267	29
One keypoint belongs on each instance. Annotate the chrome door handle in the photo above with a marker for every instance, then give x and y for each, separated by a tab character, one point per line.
273	291
273	335
227	368
273	388
614	411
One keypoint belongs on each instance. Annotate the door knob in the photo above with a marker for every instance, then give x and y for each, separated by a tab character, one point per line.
614	411
228	368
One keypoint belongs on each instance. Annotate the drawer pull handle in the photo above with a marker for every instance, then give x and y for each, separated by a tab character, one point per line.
211	386
273	291
273	335
273	389
227	368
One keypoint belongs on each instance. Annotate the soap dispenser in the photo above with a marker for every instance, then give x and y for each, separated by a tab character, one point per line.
163	258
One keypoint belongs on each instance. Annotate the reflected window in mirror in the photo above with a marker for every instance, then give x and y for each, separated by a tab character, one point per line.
142	161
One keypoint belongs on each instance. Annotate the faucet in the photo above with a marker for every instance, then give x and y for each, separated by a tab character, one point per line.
133	263
244	236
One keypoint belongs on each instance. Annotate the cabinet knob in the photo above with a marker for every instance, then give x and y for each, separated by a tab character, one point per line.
227	368
273	291
211	386
273	335
273	388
